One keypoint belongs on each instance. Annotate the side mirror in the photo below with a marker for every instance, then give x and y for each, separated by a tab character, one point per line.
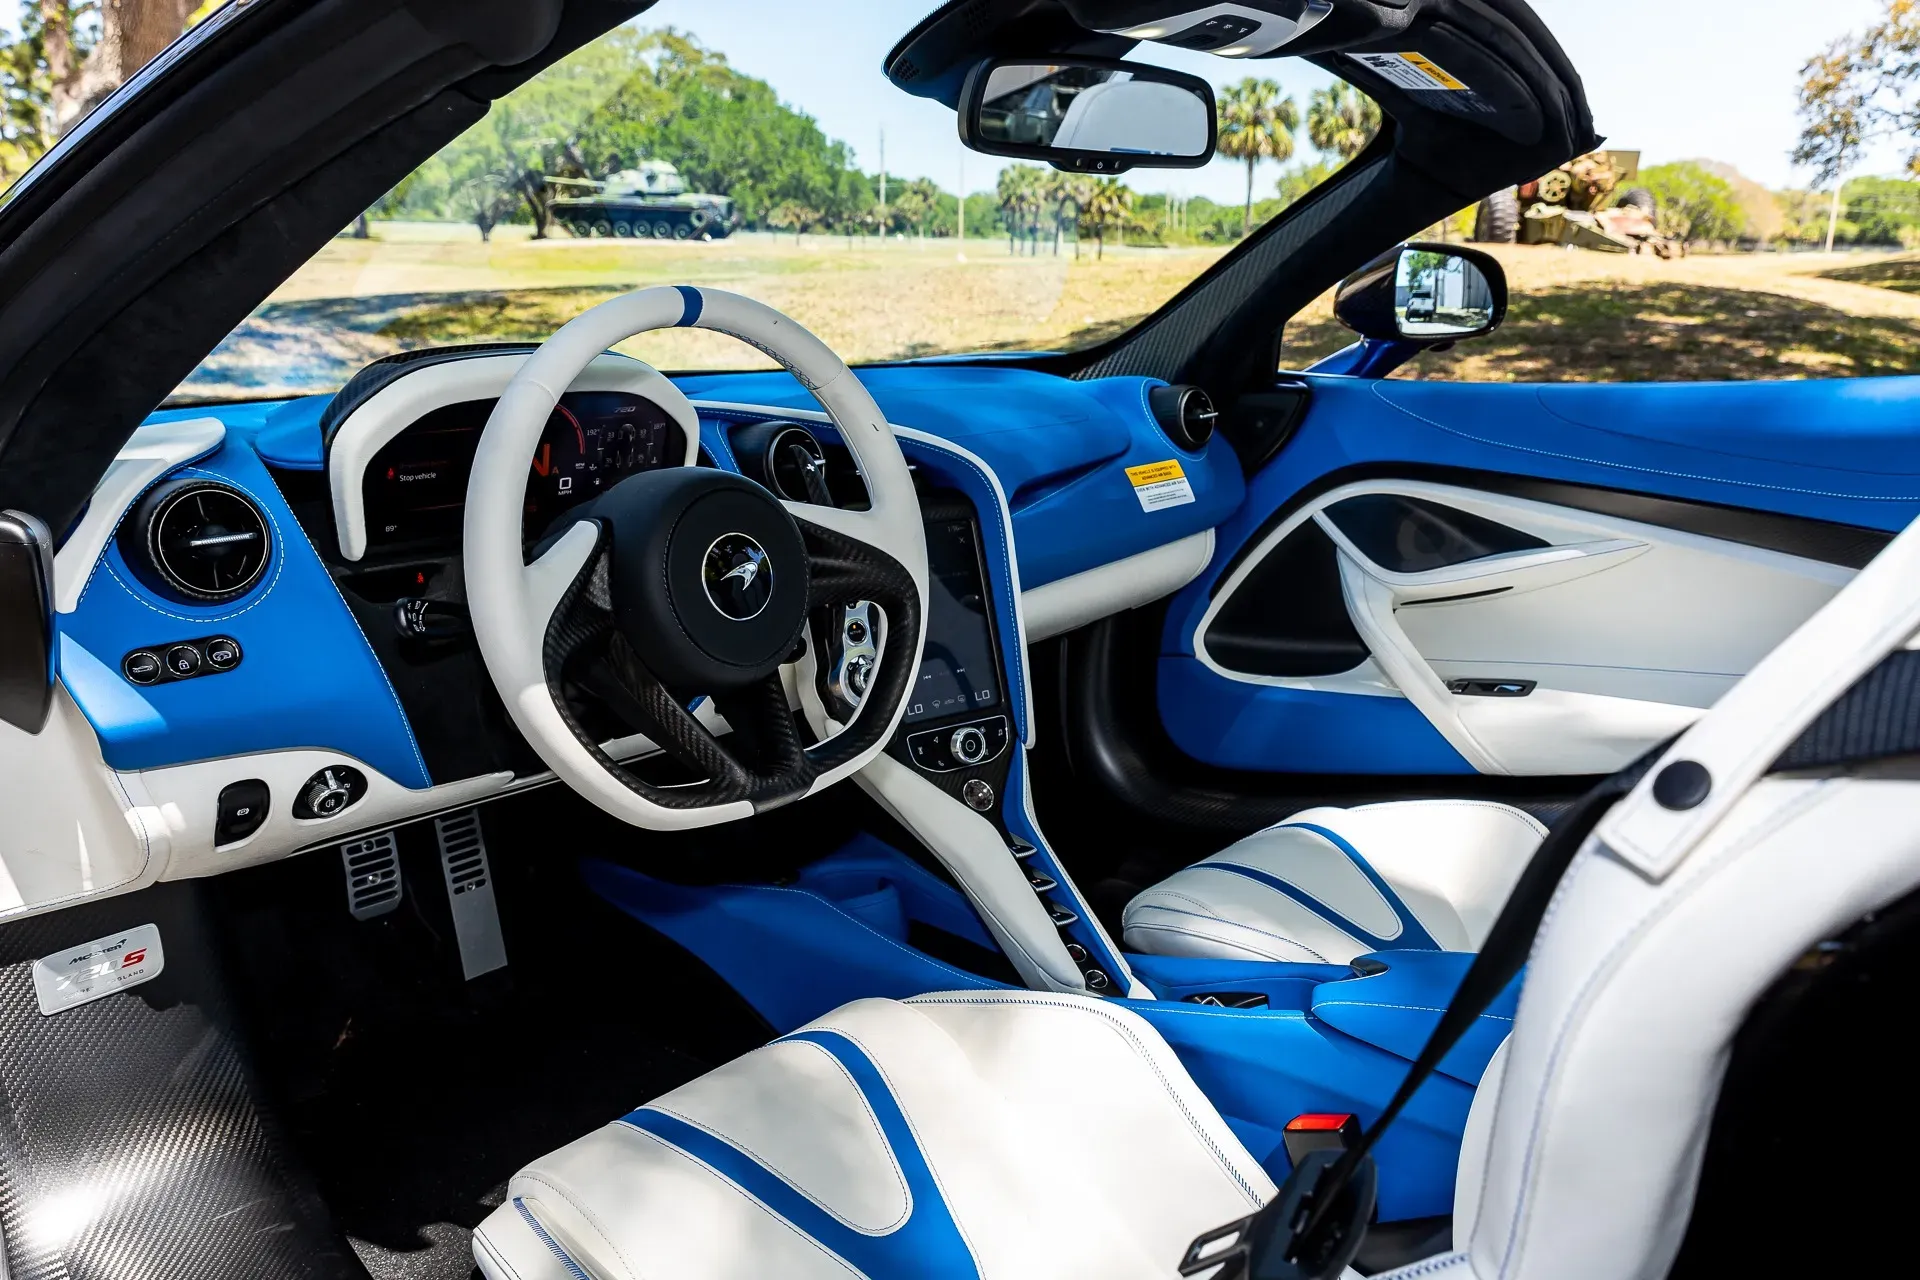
26	621
1425	294
1088	115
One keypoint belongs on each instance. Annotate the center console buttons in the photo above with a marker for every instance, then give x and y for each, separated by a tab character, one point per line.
960	746
978	794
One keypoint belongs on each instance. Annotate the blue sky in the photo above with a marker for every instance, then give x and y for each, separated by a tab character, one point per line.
1674	79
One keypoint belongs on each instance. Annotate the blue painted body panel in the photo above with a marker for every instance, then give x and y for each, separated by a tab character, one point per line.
307	679
1845	451
1060	449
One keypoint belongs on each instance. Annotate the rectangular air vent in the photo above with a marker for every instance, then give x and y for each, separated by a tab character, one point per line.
373	875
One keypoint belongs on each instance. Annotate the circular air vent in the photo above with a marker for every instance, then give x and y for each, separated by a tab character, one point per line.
796	465
206	542
1185	413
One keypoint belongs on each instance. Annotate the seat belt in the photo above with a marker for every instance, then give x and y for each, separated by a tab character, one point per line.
1315	1226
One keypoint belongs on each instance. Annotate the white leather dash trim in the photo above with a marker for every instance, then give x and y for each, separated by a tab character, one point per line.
148	454
1057	607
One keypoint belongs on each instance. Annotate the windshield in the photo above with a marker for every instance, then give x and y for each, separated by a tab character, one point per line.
710	145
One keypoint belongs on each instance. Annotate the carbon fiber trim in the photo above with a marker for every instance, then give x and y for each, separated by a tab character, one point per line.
133	1145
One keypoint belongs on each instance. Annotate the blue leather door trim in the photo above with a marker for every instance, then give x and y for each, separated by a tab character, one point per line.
1843	452
1237	725
928	1243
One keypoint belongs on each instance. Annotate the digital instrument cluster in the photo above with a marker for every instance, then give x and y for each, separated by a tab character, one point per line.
415	489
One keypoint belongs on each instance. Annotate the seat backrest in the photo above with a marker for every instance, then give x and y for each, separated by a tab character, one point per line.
1709	881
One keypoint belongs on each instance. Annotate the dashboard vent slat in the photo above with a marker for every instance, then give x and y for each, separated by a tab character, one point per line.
207	543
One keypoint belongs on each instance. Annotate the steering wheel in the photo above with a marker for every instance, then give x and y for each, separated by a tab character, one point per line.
686	582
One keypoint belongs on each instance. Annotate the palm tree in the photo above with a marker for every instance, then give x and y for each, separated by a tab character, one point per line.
1022	193
1256	123
1107	204
1342	120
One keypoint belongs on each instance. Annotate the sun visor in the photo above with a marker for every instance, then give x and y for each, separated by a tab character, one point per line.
1451	74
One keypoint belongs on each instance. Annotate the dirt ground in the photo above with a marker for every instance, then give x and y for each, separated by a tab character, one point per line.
1575	316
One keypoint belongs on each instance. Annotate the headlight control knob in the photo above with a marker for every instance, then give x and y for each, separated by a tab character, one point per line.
329	792
968	745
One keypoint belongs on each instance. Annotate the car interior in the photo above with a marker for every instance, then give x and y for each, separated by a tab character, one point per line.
529	811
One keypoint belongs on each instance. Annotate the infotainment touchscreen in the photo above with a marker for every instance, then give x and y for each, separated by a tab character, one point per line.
959	668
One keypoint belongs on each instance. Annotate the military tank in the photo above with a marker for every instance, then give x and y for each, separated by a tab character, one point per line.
1586	203
651	201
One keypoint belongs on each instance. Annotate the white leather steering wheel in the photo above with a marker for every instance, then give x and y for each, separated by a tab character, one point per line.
690	581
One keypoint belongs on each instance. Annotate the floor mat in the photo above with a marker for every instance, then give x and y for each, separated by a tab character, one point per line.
413	1094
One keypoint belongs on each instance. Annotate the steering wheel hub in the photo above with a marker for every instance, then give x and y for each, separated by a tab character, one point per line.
708	576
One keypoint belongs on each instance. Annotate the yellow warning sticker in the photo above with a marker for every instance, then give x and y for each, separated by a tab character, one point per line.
1409	70
1155	472
1160	484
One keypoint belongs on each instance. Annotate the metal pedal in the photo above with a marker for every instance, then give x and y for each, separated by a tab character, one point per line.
373	875
476	919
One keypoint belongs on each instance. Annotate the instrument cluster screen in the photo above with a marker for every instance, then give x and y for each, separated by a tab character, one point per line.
959	667
416	487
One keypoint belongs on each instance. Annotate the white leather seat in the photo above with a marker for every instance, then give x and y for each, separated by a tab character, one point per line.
1015	1135
1330	884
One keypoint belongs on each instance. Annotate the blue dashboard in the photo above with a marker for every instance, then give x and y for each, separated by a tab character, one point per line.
1060	451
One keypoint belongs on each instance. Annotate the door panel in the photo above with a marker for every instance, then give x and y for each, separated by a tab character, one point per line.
1397	613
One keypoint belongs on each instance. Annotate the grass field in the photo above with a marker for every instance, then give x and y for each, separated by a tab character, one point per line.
1575	316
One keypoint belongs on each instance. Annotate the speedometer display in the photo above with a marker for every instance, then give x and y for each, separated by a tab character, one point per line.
594	440
415	489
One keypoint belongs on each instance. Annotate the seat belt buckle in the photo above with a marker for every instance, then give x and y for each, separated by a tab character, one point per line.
1293	1237
1319	1131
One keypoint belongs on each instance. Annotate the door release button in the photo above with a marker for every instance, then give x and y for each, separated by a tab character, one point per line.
241	809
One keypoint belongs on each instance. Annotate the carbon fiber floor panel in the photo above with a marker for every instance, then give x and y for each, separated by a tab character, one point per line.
133	1145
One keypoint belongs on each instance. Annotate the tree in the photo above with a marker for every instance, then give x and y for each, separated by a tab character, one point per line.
1256	123
1021	190
1694	204
1108	204
1833	109
1341	120
917	205
81	72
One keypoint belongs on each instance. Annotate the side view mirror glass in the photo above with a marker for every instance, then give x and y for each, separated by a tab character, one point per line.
26	621
1426	294
1088	115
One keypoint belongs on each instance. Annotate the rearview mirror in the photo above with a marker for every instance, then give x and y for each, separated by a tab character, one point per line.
26	621
1088	115
1426	294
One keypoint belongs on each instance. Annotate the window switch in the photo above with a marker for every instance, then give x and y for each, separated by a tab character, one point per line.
242	808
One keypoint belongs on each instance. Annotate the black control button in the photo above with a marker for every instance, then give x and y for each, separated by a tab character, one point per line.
142	666
184	660
330	792
1061	916
978	794
856	631
1682	785
1097	980
1041	881
1077	953
223	654
242	808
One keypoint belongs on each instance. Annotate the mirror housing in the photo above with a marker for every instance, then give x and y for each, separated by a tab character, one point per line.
26	621
1424	294
1088	115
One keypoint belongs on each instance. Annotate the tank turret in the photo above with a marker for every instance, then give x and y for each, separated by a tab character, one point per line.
650	200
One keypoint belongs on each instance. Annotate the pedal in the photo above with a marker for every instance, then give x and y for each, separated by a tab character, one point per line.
476	918
373	875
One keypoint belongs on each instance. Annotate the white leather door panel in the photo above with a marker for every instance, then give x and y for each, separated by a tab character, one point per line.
1617	633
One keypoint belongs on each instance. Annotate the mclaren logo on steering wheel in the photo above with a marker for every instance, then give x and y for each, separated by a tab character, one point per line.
738	576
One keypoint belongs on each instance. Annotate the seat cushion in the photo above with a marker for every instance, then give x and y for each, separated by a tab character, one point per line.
1330	884
960	1134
